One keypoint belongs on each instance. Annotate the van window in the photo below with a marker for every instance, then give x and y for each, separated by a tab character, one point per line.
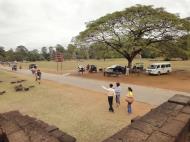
162	66
152	67
168	65
158	66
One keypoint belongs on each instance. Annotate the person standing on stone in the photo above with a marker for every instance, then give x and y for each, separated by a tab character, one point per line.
129	99
118	93
110	93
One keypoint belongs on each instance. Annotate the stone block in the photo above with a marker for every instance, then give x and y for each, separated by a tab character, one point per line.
173	127
160	137
51	129
9	127
183	117
128	135
180	99
186	110
66	138
135	119
18	136
157	119
56	133
144	127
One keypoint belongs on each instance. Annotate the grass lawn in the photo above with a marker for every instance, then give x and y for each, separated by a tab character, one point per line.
70	66
78	112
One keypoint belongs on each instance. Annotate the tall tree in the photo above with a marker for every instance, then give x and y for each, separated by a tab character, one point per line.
45	53
2	53
130	31
21	53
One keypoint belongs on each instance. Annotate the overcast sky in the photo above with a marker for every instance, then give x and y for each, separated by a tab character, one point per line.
38	23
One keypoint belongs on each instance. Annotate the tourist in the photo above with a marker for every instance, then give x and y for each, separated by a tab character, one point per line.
110	94
118	93
38	76
129	99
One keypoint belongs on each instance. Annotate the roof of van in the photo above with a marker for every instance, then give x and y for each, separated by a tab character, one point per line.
160	63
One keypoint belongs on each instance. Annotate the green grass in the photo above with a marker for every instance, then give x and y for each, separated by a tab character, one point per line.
69	66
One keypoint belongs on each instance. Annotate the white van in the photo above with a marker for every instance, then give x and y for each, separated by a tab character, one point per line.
159	68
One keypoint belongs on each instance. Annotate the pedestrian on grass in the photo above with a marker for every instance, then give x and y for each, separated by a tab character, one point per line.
38	76
118	93
110	93
129	99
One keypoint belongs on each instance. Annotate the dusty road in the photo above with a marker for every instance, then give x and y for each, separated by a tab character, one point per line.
150	95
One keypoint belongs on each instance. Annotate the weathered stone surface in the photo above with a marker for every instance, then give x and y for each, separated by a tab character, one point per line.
186	109
135	119
160	137
9	127
18	136
66	138
183	117
128	135
157	119
180	99
23	128
56	133
173	128
51	128
143	126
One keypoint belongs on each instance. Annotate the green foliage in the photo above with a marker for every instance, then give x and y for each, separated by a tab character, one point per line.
45	53
134	29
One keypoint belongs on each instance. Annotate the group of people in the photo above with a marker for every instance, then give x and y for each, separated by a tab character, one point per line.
37	74
116	92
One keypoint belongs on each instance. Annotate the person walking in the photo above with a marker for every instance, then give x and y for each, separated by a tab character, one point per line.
110	94
38	76
118	93
129	99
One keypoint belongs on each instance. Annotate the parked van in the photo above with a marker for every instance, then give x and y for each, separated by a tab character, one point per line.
159	68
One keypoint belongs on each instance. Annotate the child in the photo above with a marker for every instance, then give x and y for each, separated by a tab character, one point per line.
118	93
129	99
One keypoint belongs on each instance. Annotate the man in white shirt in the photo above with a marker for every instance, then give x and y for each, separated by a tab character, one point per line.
110	94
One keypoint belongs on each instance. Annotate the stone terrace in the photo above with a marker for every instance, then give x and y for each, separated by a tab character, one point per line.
15	127
170	122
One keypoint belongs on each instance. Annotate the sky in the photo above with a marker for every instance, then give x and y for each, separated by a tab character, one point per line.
38	23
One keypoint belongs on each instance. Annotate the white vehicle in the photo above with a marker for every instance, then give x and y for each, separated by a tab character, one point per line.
159	68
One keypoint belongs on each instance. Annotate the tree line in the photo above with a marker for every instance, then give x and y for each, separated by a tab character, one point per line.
22	53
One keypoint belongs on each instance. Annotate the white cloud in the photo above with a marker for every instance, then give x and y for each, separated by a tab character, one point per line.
37	23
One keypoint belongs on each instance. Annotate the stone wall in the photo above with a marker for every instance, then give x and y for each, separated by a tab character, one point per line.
169	122
15	127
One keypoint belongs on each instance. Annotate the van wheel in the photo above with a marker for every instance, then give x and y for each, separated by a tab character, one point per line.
168	72
159	73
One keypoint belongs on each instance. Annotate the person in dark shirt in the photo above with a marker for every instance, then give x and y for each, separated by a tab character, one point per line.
38	76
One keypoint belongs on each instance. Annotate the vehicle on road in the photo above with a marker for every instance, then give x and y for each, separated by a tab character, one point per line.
92	68
14	67
32	66
115	70
159	68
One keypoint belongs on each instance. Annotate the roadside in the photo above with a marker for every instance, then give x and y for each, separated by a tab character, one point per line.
177	80
150	95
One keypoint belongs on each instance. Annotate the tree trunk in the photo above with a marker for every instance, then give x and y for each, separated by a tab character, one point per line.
129	63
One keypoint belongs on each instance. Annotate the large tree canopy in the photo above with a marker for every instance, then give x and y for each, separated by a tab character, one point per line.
133	29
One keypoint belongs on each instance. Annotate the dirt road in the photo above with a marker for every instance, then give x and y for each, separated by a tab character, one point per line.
150	95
